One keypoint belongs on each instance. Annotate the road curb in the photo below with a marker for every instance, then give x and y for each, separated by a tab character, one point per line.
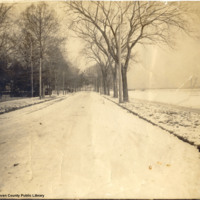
28	105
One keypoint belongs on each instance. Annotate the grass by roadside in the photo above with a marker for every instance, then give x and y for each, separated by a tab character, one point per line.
184	124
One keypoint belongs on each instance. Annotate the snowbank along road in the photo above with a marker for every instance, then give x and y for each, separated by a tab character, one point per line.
87	147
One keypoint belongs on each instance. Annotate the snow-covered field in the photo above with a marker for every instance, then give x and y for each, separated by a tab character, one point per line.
177	111
180	97
87	147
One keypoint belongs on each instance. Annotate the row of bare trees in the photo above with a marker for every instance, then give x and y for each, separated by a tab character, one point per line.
5	45
5	24
38	27
113	29
39	44
32	52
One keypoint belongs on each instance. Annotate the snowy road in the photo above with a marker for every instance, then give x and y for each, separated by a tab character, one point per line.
87	147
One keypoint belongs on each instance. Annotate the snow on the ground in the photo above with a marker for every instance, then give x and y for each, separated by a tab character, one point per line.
87	147
180	121
15	104
179	97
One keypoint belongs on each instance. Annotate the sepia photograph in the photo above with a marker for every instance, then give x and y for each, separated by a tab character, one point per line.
99	99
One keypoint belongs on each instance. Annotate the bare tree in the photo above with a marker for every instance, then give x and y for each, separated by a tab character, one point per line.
93	53
55	66
140	22
94	40
5	24
26	52
40	21
92	76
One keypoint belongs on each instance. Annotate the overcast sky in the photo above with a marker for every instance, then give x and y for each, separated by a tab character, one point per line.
167	68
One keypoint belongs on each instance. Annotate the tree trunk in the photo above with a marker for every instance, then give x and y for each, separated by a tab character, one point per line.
63	83
101	85
98	84
108	88
115	89
125	85
43	90
104	85
40	79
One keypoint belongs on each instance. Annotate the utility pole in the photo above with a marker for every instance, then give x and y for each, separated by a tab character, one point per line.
119	61
31	68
